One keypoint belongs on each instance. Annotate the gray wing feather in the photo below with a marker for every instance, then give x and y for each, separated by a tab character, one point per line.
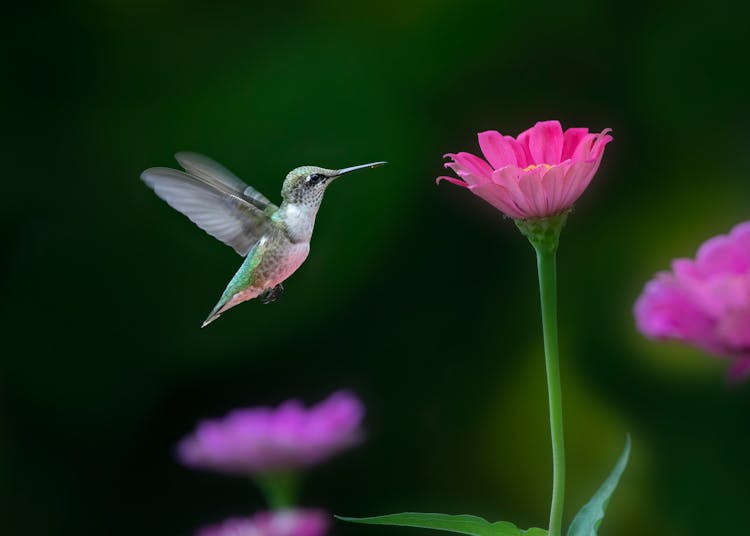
213	206
217	175
257	198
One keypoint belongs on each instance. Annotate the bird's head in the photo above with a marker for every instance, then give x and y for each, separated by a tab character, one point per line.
305	185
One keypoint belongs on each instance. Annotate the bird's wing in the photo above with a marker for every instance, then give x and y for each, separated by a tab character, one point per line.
212	204
213	173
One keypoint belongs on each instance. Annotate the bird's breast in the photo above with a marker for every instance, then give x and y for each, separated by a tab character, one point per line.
282	263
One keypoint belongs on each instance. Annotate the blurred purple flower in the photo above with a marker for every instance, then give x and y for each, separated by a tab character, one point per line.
295	522
705	302
266	440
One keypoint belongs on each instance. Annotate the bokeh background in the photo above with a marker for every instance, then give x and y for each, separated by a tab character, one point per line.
418	297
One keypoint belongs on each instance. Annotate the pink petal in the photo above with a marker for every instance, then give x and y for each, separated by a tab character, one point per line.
531	185
734	327
591	146
544	142
508	178
721	294
572	138
720	255
288	422
741	237
597	150
521	158
554	182
500	150
499	197
457	182
469	167
583	150
741	234
666	310
285	522
685	269
258	440
578	177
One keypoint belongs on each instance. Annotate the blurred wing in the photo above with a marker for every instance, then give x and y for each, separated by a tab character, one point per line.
212	205
217	175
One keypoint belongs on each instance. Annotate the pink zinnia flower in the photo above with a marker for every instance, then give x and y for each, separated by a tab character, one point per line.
278	523
705	302
540	173
263	440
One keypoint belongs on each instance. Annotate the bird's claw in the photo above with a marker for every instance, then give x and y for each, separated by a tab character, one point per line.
272	294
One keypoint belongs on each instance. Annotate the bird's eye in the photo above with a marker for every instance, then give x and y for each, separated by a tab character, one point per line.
315	177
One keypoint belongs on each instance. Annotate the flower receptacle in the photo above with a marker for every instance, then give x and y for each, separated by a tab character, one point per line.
543	233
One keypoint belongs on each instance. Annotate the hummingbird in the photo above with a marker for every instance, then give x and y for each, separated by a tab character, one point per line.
274	240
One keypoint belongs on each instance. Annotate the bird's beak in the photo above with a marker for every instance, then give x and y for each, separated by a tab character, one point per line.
355	168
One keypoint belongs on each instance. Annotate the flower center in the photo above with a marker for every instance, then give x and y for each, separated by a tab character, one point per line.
546	167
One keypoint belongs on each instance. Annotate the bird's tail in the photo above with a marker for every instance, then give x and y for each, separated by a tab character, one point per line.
215	313
224	303
239	288
229	299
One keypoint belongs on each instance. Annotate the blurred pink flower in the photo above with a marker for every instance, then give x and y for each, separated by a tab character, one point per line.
278	523
705	302
540	173
264	440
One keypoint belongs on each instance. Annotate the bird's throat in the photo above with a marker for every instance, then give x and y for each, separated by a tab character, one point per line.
299	220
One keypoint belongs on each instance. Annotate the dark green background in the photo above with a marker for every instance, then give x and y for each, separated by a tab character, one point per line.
418	297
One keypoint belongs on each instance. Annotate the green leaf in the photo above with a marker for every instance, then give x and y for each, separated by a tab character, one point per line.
589	518
462	524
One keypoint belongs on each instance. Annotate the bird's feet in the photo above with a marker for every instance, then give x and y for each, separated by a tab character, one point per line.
272	294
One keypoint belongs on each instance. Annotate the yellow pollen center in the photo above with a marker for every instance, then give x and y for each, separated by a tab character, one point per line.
546	167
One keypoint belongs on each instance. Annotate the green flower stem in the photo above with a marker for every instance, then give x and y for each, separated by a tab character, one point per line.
280	489
544	235
547	268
